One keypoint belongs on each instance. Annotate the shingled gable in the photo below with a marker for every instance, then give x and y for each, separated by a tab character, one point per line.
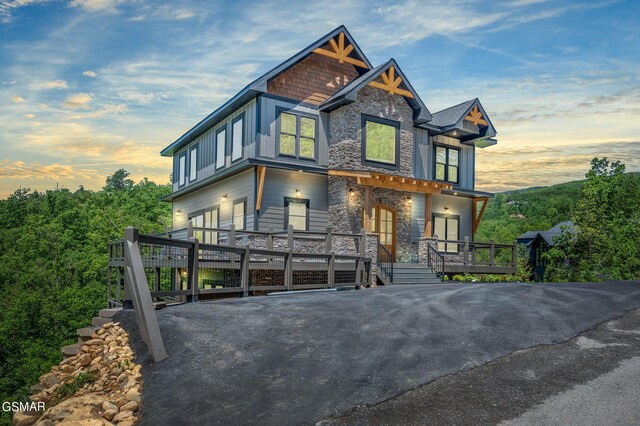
329	45
479	130
388	77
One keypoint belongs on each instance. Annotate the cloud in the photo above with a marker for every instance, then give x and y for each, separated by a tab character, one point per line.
89	73
30	116
78	101
107	6
37	171
17	99
105	110
8	7
47	85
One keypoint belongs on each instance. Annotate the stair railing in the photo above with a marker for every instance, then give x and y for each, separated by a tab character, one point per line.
435	260
385	261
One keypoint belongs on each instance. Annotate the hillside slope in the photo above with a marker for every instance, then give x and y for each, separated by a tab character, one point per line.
512	213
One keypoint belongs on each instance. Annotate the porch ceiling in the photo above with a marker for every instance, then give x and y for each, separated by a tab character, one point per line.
391	181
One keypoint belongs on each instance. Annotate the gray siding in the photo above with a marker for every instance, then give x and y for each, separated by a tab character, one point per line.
236	187
267	137
280	184
458	206
422	159
206	145
467	161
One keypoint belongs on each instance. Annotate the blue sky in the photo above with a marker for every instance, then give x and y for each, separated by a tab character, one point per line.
90	86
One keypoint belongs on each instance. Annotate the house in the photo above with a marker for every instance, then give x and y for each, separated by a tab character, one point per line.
326	139
539	242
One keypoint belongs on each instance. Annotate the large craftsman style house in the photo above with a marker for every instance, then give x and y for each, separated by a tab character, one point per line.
326	139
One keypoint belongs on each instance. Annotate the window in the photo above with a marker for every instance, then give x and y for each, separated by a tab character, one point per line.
380	140
297	136
237	138
221	150
296	213
207	219
193	163
182	169
447	164
239	217
446	227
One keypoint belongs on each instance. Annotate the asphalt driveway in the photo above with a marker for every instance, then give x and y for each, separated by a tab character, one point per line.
300	359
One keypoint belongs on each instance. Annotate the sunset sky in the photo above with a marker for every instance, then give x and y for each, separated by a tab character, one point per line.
91	86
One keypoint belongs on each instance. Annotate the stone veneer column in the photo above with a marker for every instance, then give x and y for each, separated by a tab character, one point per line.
372	253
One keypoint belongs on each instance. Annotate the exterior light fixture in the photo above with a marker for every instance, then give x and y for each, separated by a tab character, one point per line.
178	211
352	193
446	210
409	199
455	193
298	193
225	197
455	133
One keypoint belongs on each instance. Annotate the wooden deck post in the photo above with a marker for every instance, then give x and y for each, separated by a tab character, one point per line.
465	253
363	254
244	274
367	209
231	239
193	267
331	270
288	271
492	252
189	229
270	239
131	235
290	237
514	253
327	241
156	279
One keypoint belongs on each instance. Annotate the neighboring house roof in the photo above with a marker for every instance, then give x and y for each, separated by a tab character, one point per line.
549	234
257	87
348	93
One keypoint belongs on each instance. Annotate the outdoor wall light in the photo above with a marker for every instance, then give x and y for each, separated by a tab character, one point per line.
409	199
446	210
298	193
352	193
225	197
178	211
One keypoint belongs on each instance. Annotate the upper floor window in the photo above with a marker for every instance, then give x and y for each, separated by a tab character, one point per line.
237	137
297	212
447	164
380	140
182	169
221	149
193	163
297	136
239	214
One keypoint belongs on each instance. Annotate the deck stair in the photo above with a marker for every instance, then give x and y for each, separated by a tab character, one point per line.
413	273
85	333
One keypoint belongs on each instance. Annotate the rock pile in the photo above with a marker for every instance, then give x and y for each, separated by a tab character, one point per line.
101	385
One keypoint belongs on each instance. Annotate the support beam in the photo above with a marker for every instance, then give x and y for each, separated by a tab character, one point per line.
476	217
367	209
428	226
262	171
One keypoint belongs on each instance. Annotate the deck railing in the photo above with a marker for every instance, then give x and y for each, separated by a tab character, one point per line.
465	256
385	262
185	269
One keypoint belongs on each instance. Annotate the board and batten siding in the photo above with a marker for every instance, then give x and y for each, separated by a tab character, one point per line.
283	183
268	137
467	160
237	187
206	144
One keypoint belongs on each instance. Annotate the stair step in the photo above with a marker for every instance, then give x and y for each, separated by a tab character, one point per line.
70	350
99	321
85	333
108	313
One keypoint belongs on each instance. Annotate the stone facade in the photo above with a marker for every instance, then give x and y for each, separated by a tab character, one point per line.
345	130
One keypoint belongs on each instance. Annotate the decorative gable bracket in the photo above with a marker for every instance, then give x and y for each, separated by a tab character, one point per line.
340	52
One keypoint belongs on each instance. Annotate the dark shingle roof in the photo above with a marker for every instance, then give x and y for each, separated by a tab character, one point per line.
549	234
451	115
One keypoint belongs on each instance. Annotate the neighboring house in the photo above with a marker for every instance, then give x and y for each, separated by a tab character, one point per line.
539	242
326	139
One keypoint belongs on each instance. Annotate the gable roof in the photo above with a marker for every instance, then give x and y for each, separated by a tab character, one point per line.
450	116
453	119
259	86
549	234
349	93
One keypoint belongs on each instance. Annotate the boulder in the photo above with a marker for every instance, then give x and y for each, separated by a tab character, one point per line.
25	418
122	415
131	406
89	404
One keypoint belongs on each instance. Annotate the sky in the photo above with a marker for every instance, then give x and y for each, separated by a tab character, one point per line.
91	86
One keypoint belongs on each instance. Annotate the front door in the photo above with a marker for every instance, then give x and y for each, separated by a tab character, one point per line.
383	222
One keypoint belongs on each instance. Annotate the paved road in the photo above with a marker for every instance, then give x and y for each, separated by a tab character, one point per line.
300	359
